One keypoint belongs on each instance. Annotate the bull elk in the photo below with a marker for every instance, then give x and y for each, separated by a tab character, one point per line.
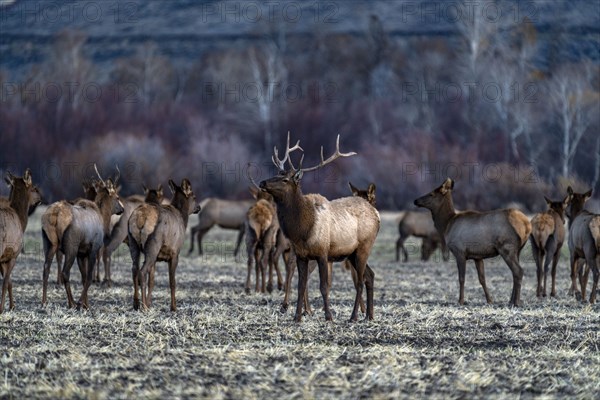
227	214
582	243
323	230
419	224
119	232
13	221
474	235
159	231
78	230
547	237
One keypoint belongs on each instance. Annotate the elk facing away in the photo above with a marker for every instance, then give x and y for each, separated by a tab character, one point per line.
547	237
324	230
159	231
228	214
473	235
78	231
419	224
582	243
13	221
119	231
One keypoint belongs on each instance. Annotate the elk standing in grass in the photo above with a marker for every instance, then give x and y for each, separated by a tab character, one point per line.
227	214
582	244
78	231
13	221
119	231
158	231
419	224
474	235
324	230
547	237
261	232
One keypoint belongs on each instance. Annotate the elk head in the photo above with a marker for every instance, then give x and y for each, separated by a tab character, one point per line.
437	197
19	186
183	197
153	195
368	194
559	206
577	202
288	180
110	189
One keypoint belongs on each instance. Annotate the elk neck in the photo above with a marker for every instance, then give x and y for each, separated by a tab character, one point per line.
19	201
443	214
181	203
104	202
296	215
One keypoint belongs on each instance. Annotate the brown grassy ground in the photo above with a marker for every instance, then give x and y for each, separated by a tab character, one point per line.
222	343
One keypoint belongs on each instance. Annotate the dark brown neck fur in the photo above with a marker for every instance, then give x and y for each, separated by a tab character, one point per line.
181	203
443	215
19	201
296	215
104	202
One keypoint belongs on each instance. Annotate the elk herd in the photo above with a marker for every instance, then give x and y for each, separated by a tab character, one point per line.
308	230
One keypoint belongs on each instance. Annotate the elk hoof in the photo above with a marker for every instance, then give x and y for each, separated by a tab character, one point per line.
553	294
298	318
353	318
328	316
248	291
106	283
284	307
136	304
270	288
578	296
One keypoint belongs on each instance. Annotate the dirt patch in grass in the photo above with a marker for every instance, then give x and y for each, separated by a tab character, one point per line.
222	343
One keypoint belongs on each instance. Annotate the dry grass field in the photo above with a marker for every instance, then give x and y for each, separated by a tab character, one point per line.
222	343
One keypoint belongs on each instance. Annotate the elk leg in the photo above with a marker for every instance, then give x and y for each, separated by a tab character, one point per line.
510	257
151	284
550	254
574	264
135	269
66	277
106	259
263	270
596	275
370	285
238	242
59	264
359	261
5	269
289	273
400	246
276	253
481	276
149	259
257	268
250	249
324	283
193	233
49	250
583	278
554	264
355	281
302	265
89	264
172	268
461	263
201	233
537	257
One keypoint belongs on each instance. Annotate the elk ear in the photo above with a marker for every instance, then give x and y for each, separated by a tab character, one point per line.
145	189
159	190
566	201
172	186
353	189
570	190
186	187
27	177
371	193
253	191
297	176
548	201
588	194
447	186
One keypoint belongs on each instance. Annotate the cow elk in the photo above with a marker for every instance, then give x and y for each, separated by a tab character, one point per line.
547	237
227	214
13	221
78	231
474	235
420	224
582	243
324	230
119	231
159	231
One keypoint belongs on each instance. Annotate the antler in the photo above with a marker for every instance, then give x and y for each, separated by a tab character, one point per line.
118	174
100	177
281	163
251	178
324	162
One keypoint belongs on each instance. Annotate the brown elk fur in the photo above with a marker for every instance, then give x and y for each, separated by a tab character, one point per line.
419	224
582	244
324	231
119	231
227	214
13	221
547	237
158	231
78	231
474	235
595	230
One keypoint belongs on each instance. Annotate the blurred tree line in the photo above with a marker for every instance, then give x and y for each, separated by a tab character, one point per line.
509	116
